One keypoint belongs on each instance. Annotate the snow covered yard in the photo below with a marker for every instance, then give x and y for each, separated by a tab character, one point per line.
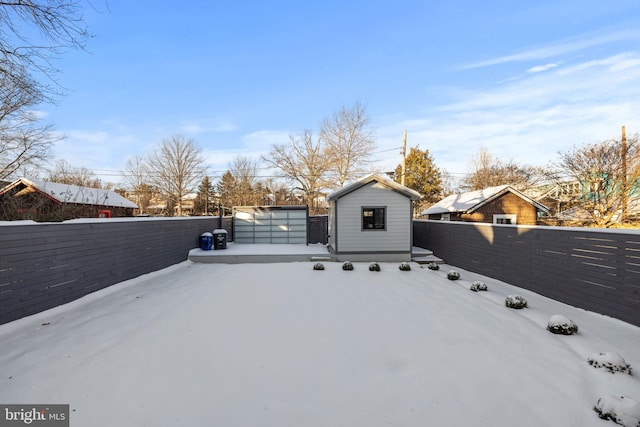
286	345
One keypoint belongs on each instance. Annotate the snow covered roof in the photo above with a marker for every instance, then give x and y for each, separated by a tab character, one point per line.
387	182
471	201
67	193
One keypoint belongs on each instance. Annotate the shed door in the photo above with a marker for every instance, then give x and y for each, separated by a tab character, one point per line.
259	225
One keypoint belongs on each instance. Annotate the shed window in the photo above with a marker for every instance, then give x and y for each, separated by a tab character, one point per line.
374	218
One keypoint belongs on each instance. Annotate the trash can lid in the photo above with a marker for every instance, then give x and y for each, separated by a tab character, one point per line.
219	231
206	234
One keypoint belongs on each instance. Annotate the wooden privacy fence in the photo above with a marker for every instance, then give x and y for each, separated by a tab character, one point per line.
43	265
594	269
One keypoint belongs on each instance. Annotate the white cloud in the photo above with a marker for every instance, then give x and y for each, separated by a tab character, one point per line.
253	145
195	128
528	119
541	68
561	47
262	140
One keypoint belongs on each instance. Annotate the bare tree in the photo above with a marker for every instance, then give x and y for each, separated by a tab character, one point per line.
32	35
176	168
23	143
136	179
349	141
610	177
64	173
303	162
489	171
244	171
278	193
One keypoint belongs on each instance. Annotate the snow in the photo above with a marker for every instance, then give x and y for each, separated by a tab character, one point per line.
559	324
620	409
264	248
610	361
286	345
76	194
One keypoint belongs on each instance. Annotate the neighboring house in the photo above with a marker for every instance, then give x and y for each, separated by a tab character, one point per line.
498	205
371	220
50	201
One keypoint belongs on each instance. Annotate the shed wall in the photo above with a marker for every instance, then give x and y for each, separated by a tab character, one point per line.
331	229
351	238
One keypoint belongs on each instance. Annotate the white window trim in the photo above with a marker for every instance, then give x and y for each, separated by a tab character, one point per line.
445	217
512	217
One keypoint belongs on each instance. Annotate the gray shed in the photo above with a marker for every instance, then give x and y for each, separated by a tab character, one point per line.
371	220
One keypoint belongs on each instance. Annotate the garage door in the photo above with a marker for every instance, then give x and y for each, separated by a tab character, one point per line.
270	224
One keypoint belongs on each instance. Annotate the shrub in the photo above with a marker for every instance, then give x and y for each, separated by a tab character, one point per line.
374	266
405	266
478	286
453	275
347	266
621	410
433	266
559	324
515	301
612	362
318	266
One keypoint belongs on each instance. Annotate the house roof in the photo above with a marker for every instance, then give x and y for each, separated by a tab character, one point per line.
67	193
473	200
383	180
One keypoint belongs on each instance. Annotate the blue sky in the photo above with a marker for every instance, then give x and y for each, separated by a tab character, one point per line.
522	79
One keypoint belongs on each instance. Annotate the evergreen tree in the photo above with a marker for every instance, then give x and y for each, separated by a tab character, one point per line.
422	175
206	200
226	189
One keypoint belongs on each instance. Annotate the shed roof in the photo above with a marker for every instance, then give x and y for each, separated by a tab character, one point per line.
383	180
473	200
67	193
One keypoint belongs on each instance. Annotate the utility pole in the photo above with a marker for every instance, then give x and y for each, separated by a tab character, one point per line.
404	157
623	155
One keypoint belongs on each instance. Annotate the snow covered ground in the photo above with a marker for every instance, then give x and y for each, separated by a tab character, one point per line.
284	345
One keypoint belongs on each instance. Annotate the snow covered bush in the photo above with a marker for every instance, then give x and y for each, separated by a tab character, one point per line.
347	266
515	301
405	266
621	410
433	266
612	362
559	324
374	266
478	286
318	266
453	275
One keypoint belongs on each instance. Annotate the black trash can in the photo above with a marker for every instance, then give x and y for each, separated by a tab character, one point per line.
219	238
206	241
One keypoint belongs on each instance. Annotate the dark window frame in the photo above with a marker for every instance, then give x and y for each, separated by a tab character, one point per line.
376	220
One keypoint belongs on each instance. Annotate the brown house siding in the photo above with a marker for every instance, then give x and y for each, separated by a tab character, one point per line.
506	204
509	204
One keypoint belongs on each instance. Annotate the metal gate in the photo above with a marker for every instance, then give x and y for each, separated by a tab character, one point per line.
318	229
270	224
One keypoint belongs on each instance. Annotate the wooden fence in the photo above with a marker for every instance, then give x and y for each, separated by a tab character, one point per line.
594	269
43	265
